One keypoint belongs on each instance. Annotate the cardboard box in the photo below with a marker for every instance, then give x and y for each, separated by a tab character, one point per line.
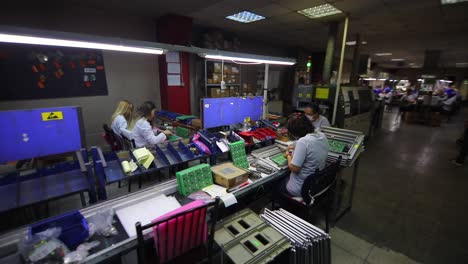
197	123
228	175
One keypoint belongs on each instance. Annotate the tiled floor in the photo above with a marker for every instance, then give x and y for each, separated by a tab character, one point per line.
408	196
349	249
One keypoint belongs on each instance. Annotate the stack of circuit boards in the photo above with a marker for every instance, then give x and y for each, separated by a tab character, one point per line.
238	155
311	245
279	159
194	179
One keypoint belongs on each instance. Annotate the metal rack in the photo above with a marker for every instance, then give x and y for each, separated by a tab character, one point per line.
210	86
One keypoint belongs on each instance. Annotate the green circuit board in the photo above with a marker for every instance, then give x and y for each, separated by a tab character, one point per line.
336	146
279	159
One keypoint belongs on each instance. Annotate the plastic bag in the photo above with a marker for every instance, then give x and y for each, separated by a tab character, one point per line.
200	144
81	252
101	223
44	247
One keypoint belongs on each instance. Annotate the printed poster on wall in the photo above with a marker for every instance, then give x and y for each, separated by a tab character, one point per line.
40	72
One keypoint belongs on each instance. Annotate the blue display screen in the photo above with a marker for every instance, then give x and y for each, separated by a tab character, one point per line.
231	110
34	133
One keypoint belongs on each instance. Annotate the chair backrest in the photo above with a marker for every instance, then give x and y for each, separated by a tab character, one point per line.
178	233
110	138
128	144
319	182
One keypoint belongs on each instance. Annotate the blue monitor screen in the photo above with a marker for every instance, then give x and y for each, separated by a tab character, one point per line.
231	110
34	133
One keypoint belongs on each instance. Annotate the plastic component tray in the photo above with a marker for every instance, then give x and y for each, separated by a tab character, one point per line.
74	228
238	155
236	225
262	245
182	132
194	179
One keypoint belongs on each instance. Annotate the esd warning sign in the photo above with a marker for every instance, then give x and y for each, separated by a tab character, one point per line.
50	116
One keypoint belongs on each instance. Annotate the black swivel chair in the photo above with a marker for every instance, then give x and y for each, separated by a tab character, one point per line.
317	193
110	138
179	246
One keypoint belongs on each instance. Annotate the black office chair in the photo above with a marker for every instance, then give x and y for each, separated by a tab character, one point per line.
128	144
317	193
173	245
110	138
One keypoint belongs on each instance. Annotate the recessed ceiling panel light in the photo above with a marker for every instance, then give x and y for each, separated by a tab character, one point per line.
461	64
397	59
245	17
449	2
383	54
320	11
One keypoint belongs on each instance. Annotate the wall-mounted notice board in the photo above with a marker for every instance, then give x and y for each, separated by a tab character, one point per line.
39	72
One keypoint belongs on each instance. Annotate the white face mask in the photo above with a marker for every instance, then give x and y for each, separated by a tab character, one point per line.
311	118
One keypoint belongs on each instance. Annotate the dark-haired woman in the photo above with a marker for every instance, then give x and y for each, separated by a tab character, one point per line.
306	155
143	131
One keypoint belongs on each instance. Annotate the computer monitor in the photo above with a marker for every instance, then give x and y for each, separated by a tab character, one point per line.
27	134
322	93
225	111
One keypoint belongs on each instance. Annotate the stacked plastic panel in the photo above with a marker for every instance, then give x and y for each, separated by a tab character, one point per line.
245	238
238	155
194	179
311	245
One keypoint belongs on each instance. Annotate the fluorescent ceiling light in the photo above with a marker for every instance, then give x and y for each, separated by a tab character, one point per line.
352	43
397	59
384	54
446	81
320	11
449	2
10	38
461	64
247	60
245	17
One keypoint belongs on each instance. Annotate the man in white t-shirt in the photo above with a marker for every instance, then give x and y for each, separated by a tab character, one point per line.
312	113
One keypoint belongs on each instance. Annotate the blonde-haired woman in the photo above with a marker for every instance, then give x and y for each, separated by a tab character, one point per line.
122	116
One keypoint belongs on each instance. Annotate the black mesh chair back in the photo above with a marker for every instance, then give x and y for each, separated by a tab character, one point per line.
318	183
110	138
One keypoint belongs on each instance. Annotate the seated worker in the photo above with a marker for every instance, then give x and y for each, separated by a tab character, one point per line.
309	153
312	112
408	101
449	101
387	96
121	117
143	132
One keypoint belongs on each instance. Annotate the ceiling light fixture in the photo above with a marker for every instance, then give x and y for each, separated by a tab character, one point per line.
245	17
397	59
352	43
461	64
248	60
383	54
449	2
320	11
11	38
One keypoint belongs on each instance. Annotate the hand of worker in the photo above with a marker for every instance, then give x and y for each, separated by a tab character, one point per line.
288	153
167	132
291	147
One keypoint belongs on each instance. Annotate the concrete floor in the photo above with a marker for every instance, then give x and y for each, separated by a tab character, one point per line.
408	196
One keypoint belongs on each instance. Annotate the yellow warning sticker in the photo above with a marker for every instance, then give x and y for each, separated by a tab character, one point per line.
49	116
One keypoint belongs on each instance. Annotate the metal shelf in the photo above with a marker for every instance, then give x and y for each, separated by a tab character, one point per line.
217	85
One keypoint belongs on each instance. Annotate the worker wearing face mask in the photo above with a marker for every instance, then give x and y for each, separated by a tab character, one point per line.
312	113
